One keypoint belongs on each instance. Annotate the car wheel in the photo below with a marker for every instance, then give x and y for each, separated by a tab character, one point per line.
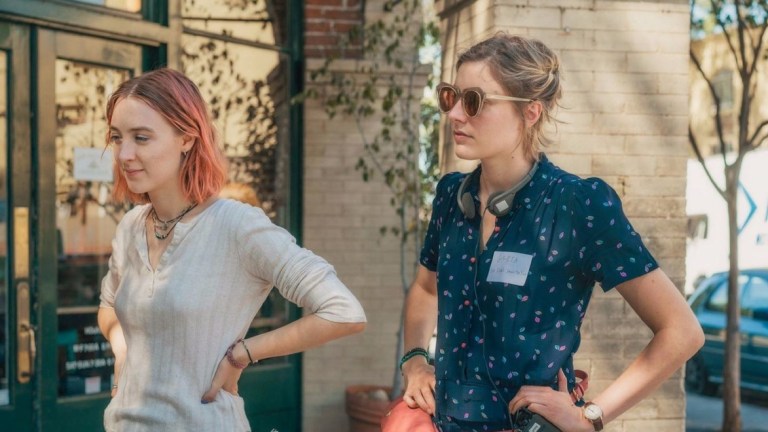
697	377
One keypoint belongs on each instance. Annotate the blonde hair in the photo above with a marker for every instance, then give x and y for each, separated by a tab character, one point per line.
525	68
240	192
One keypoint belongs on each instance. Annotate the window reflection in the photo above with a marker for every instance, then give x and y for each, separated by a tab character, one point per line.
246	89
86	219
126	5
4	397
239	85
262	21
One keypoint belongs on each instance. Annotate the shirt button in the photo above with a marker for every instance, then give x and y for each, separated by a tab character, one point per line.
466	302
472	260
497	229
463	344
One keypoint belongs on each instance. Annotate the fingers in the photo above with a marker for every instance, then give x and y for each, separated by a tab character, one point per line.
422	400
420	387
116	376
216	384
226	378
542	395
562	381
210	395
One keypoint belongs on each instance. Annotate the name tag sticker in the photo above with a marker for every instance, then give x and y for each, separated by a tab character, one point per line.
509	267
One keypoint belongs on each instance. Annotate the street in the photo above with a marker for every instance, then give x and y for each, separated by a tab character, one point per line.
705	414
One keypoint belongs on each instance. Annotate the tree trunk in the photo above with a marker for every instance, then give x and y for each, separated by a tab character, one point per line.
732	366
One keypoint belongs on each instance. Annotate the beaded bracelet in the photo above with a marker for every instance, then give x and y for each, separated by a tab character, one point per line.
413	353
231	358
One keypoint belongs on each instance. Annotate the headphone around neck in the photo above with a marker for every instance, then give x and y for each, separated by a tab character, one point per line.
499	203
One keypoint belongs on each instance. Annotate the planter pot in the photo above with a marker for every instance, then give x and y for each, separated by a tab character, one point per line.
366	405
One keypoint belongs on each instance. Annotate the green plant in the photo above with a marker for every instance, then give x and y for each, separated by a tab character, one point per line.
402	151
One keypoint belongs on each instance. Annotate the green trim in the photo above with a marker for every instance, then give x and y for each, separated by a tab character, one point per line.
43	229
81	18
155	11
295	45
154	57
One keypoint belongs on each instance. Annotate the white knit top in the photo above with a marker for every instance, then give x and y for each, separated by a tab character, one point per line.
179	318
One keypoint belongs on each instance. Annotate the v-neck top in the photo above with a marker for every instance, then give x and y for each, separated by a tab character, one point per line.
179	318
511	315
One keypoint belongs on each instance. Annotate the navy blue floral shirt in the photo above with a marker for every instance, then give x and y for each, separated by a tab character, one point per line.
510	316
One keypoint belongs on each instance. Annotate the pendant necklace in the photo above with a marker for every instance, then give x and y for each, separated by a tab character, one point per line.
163	228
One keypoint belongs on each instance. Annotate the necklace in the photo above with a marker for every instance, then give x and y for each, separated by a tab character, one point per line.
163	228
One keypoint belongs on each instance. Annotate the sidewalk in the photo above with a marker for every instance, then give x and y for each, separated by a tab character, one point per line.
705	414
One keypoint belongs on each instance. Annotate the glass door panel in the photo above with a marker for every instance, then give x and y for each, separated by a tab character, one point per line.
261	21
76	220
243	74
246	90
86	219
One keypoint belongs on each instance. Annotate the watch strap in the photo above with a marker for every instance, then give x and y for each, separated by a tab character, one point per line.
596	423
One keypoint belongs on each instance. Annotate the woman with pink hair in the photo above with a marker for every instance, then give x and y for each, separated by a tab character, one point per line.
189	271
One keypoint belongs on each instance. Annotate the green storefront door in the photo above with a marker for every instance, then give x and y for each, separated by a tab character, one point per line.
76	220
57	219
17	335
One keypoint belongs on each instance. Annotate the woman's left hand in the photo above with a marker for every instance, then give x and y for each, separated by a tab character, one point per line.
226	379
554	405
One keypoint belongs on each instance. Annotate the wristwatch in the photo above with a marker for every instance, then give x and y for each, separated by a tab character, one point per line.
594	414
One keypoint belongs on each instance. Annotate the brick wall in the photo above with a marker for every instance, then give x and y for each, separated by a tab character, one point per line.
327	24
625	117
342	216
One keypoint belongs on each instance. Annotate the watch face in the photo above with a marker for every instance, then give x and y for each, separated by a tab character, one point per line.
593	412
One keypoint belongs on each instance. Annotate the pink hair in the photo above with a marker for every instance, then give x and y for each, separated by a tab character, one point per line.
177	98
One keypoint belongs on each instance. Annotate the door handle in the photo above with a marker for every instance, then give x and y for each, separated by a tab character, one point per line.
25	332
27	349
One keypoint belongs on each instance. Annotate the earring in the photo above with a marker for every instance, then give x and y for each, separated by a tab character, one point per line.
184	154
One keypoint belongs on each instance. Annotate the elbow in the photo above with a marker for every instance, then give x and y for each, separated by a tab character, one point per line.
693	337
355	328
698	340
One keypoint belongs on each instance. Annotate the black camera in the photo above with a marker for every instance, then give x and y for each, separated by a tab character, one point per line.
526	421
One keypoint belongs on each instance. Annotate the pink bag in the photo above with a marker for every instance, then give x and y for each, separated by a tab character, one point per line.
402	418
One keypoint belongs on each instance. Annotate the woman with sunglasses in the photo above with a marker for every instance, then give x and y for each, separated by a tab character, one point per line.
510	260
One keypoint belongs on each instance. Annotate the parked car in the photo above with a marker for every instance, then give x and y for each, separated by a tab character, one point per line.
704	372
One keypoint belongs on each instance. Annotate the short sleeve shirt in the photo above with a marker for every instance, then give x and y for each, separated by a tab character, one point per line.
512	313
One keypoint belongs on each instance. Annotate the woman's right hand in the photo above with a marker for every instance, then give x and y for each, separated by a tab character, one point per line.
113	332
419	384
119	361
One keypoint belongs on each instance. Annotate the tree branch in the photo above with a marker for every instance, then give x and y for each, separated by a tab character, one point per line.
742	28
756	50
719	21
718	118
695	146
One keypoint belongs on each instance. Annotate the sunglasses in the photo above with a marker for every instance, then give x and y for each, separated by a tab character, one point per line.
472	99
